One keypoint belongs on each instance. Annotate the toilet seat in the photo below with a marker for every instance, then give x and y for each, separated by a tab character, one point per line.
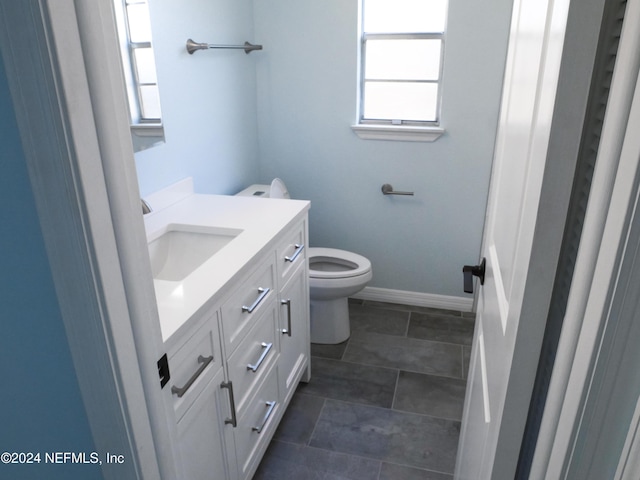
328	263
278	189
334	276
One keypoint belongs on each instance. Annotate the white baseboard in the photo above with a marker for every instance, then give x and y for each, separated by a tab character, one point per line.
416	299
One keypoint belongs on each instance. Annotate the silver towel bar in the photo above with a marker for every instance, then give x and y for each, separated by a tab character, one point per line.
247	47
387	189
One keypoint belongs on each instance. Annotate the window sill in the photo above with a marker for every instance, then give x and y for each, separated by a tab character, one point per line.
148	129
400	133
145	136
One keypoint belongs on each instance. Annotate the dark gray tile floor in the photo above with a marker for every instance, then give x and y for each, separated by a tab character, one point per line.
384	405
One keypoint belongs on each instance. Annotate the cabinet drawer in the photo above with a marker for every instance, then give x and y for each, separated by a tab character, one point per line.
291	251
256	427
253	358
250	299
193	363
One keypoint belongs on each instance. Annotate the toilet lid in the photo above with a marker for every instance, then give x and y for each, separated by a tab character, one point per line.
278	189
334	263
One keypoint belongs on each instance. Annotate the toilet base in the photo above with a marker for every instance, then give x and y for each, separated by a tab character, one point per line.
330	321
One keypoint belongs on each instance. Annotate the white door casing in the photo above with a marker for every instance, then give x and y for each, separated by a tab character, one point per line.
596	272
64	70
529	94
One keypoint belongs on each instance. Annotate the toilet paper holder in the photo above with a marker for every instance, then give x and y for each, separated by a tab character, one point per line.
387	189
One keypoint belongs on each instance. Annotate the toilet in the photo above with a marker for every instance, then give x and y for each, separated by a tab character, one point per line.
334	275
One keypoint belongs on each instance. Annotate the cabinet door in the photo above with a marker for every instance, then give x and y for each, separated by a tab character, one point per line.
200	436
294	332
193	361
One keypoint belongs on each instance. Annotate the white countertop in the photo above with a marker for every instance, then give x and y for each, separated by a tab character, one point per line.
260	220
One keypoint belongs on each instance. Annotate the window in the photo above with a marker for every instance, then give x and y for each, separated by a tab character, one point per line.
402	47
140	67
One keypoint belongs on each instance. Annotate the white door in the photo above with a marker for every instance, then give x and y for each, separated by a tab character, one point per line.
533	64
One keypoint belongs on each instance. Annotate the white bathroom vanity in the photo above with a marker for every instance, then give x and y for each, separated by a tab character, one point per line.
231	284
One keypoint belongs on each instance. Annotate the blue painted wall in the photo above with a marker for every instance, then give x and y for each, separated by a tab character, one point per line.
307	87
40	405
208	99
233	119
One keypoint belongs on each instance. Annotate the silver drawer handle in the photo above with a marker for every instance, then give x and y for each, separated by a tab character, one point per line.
263	293
180	391
287	302
233	421
266	347
271	406
292	258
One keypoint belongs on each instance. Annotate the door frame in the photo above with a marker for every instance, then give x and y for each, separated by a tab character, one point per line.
629	461
595	277
64	75
559	121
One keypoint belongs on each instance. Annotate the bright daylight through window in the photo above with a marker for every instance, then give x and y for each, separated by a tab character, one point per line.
402	51
144	99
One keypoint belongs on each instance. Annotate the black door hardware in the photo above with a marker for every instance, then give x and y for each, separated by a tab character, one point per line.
163	370
469	271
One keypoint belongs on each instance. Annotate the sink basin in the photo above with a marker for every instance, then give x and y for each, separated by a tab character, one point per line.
183	248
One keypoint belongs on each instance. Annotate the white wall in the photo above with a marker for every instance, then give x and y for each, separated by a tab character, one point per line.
208	98
307	87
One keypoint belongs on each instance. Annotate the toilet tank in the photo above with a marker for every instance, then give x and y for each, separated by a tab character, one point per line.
277	189
255	190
